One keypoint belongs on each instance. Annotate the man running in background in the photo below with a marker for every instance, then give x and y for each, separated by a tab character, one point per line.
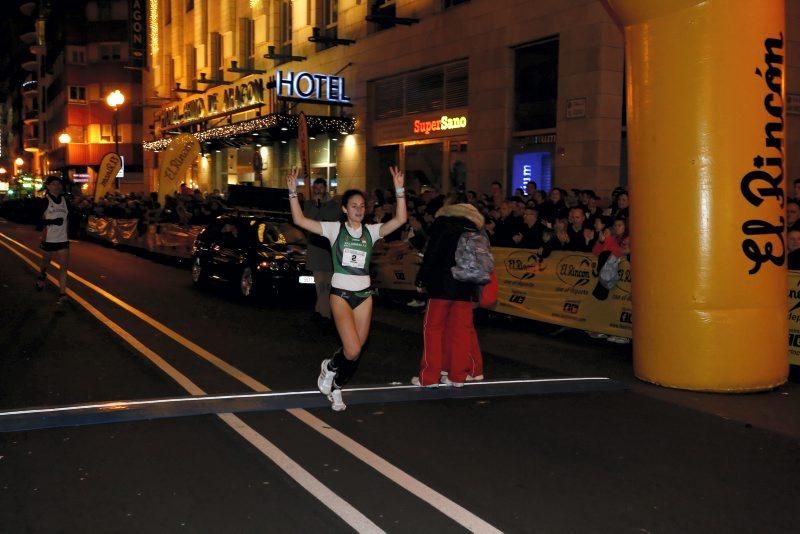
54	235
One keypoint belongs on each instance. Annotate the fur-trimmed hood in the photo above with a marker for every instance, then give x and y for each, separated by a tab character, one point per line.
465	211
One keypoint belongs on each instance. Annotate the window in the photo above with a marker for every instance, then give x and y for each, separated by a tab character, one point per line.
536	86
106	134
110	52
432	89
450	3
285	30
77	56
167	11
330	13
77	93
385	11
104	9
189	5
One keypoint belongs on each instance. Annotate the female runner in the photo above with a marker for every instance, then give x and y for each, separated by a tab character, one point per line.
351	292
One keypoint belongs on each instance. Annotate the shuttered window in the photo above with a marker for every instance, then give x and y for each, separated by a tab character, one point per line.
433	89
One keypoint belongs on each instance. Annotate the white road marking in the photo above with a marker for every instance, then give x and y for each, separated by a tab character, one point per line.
325	495
122	405
449	508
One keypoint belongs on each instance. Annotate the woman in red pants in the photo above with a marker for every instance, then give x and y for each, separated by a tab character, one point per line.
448	329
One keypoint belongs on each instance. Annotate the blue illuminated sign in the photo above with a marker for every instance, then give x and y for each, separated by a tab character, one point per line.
531	167
310	86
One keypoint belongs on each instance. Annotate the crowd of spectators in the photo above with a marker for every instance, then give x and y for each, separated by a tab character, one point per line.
570	220
185	207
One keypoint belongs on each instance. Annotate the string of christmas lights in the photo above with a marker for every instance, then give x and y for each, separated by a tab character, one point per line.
287	123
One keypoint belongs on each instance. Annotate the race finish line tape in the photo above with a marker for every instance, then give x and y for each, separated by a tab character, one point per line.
143	410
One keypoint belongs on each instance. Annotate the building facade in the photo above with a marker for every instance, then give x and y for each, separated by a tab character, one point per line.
458	93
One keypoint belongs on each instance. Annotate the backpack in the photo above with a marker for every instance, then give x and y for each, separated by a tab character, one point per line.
609	273
474	262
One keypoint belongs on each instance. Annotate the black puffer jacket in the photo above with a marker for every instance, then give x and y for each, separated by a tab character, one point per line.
440	253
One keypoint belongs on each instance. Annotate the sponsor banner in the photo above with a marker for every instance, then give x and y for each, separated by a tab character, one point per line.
110	166
559	290
395	266
175	161
794	317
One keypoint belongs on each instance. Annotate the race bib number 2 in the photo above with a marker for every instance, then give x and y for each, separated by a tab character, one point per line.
354	258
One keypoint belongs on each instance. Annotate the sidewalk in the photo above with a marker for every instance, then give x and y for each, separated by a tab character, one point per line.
573	353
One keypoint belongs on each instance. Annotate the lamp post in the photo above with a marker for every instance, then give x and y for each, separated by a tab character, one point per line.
115	99
64	139
19	162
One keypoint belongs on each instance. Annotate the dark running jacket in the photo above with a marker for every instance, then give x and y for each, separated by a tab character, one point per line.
435	274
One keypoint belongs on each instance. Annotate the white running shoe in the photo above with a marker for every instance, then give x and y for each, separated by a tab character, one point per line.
416	303
445	381
476	378
325	380
443	373
415	382
337	403
619	339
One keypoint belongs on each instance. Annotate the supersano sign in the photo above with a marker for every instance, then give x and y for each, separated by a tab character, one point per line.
443	123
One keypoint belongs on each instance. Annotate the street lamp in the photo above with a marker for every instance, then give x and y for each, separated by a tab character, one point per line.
65	138
19	162
115	99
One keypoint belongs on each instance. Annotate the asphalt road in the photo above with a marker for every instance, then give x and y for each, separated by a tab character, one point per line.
597	462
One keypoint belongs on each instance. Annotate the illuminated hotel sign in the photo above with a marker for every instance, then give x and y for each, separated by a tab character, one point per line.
311	87
219	102
440	124
301	86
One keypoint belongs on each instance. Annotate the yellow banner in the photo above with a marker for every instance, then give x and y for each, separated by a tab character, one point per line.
110	166
173	164
794	317
560	289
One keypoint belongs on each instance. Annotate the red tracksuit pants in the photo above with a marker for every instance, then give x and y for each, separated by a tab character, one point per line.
451	343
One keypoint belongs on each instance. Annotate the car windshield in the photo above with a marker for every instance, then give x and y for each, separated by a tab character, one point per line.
280	233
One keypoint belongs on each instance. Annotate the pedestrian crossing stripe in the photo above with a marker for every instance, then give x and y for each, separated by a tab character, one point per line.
148	409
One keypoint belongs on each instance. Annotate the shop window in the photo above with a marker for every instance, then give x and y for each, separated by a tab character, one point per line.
536	86
77	93
456	85
425	91
388	98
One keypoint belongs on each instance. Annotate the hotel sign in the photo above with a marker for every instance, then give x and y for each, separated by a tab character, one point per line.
136	34
216	102
311	87
250	91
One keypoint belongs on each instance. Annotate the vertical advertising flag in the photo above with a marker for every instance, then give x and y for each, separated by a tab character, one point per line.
176	160
137	34
110	166
302	147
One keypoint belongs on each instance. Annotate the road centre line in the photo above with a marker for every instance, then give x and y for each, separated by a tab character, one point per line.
427	494
325	495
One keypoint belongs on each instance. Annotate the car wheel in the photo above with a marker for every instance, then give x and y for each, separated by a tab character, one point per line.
198	273
247	283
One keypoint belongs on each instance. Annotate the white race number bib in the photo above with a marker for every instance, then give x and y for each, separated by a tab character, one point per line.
354	258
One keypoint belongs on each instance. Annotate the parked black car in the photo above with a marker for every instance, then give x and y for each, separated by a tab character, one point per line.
258	254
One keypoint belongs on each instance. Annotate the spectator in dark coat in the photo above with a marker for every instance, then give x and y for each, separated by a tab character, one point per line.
449	333
506	226
581	236
531	234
